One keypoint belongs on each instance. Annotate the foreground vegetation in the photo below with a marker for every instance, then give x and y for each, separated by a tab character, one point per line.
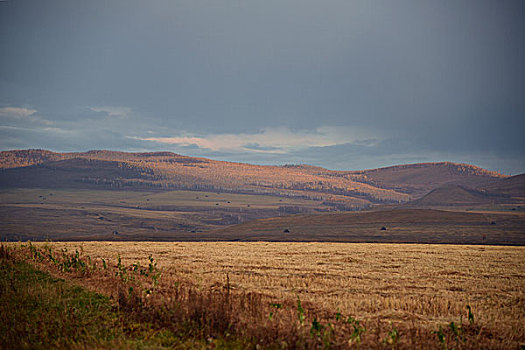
152	303
43	312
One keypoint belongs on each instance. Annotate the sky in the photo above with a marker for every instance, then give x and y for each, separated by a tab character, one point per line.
343	84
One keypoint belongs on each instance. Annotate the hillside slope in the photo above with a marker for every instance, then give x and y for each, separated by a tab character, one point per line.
456	195
513	186
75	172
418	179
166	170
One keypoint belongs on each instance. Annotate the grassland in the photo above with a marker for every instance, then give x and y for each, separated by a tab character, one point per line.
147	199
79	214
386	226
412	289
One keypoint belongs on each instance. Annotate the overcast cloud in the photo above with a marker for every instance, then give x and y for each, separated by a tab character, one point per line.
340	84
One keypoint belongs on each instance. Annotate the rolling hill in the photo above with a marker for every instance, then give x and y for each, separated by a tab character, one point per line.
456	195
513	186
106	195
505	193
343	190
419	179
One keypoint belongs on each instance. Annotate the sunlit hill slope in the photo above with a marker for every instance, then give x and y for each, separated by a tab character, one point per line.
166	170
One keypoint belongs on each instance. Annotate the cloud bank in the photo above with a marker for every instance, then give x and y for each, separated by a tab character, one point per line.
270	140
342	84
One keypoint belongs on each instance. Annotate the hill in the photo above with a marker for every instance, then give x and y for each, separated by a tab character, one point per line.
513	186
499	194
456	195
419	179
341	190
67	173
166	196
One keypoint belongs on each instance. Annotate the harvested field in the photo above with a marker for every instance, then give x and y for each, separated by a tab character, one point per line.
417	288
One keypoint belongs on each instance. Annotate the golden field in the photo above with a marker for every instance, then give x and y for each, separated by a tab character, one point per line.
412	286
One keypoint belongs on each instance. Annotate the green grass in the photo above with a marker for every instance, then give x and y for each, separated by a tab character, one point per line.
42	312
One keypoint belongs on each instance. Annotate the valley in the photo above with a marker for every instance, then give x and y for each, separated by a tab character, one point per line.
107	195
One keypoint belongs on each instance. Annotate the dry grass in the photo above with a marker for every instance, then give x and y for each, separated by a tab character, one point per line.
415	287
402	226
76	214
73	198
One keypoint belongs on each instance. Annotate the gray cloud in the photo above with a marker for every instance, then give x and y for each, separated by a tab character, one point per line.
420	80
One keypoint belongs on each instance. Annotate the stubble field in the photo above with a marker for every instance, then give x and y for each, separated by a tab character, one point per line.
413	288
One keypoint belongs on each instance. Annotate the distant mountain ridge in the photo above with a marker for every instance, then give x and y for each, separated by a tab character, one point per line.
166	170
